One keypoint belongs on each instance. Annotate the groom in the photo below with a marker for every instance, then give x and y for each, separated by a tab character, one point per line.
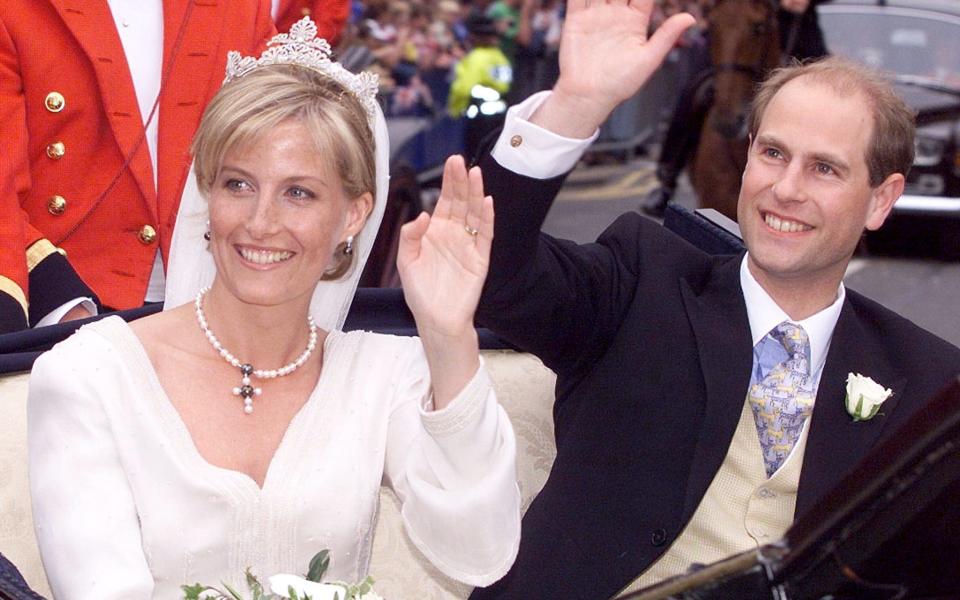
700	400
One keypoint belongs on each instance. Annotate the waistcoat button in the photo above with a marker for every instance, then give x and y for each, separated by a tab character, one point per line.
658	537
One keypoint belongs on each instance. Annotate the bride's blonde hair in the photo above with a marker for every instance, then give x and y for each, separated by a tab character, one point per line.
250	105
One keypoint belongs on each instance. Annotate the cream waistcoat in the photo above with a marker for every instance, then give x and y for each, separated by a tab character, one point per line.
742	508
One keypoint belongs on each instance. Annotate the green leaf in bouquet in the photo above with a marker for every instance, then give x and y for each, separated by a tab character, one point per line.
293	593
233	593
365	586
254	584
318	566
192	592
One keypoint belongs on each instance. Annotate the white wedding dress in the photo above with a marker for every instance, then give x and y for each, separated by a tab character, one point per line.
126	508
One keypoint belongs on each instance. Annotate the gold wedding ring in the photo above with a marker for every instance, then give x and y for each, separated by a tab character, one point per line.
471	230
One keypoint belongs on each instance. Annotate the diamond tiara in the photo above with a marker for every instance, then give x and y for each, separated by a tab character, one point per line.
303	48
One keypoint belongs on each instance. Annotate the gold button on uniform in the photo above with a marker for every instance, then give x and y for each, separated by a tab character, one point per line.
56	205
55	102
147	234
516	141
56	150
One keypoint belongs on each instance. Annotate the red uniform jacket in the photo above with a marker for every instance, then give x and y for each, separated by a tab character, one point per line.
75	172
330	16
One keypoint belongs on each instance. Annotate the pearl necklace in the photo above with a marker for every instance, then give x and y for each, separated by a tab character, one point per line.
245	389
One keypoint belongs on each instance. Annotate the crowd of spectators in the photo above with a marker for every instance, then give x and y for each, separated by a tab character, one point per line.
416	45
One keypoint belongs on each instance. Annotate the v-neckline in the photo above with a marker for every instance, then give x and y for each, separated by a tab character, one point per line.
177	431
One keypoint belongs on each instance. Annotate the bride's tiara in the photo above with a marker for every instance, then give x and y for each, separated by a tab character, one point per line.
303	48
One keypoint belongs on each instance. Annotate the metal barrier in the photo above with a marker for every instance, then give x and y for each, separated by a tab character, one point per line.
429	146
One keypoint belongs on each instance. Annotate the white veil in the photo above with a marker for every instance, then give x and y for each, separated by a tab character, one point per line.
190	266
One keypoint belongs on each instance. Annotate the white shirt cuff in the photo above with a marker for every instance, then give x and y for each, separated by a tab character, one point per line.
531	150
53	317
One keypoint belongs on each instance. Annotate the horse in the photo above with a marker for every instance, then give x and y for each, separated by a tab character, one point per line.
744	45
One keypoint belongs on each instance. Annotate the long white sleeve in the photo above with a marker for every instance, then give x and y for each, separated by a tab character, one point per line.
83	509
455	473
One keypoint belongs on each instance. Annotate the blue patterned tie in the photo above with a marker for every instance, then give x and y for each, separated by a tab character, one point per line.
783	398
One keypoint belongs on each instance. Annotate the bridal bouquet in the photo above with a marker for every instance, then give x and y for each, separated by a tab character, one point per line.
292	587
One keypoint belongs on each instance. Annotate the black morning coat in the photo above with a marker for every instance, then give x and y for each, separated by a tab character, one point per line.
652	348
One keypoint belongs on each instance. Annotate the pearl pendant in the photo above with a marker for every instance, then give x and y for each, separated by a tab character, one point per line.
246	389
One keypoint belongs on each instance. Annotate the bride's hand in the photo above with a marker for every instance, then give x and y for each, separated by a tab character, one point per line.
443	258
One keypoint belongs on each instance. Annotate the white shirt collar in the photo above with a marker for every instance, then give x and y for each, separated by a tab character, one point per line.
764	314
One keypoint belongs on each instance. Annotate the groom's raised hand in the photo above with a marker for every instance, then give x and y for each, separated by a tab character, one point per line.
605	58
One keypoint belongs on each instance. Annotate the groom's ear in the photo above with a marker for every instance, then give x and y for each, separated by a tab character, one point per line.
357	212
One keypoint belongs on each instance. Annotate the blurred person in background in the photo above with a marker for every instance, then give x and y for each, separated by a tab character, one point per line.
800	35
380	19
536	66
448	35
448	16
481	81
506	17
356	47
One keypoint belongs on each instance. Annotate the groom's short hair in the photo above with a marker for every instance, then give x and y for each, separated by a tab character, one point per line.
891	146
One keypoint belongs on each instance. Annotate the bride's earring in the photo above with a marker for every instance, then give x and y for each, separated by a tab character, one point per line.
206	234
341	260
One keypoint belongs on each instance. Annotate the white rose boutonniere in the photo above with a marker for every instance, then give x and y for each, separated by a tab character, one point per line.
864	397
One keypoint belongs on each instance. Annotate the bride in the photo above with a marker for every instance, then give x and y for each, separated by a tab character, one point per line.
240	427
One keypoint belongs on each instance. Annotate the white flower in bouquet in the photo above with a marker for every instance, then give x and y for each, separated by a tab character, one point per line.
290	587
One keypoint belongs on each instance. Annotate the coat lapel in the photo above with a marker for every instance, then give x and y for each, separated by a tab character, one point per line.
718	317
92	25
192	33
836	443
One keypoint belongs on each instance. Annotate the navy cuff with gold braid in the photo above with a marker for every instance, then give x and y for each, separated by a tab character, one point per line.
13	317
53	281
